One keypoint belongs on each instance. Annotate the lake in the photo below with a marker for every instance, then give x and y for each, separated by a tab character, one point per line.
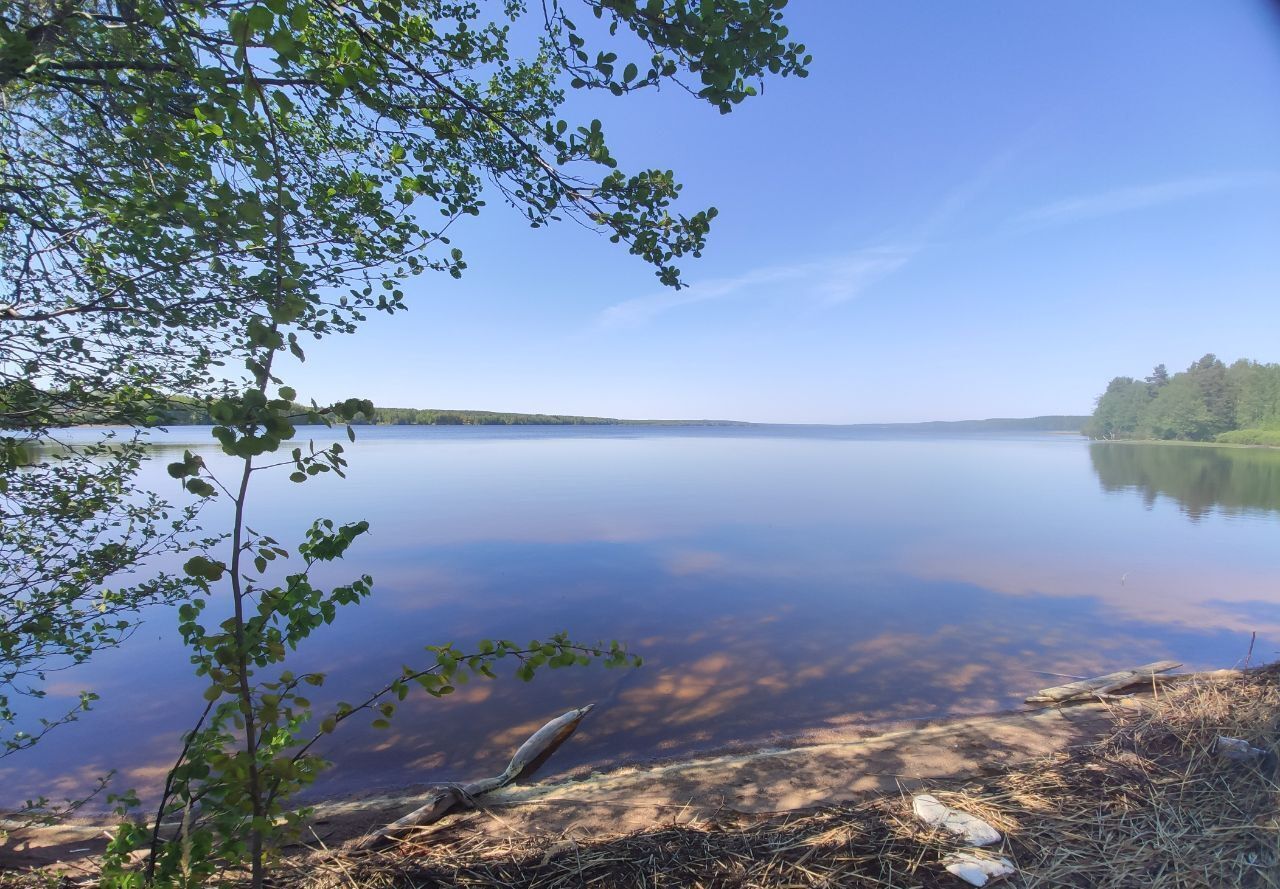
776	580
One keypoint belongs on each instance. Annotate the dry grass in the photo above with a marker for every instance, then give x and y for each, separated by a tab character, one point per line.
1151	806
1148	806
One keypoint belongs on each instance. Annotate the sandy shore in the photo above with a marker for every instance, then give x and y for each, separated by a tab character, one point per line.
1101	793
813	770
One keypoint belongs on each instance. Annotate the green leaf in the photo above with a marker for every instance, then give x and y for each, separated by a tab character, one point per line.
200	487
261	19
200	566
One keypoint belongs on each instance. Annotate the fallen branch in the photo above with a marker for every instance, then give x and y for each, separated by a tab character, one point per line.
531	754
1101	685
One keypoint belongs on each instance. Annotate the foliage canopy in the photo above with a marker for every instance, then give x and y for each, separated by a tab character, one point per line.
193	187
1207	401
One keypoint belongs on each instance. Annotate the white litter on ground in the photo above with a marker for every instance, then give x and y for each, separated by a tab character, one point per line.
968	827
977	871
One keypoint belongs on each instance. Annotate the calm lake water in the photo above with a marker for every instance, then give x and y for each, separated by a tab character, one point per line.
775	579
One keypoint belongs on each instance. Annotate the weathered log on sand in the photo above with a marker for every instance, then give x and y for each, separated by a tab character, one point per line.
1089	688
532	754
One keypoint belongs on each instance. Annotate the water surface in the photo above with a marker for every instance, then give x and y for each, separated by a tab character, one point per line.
775	579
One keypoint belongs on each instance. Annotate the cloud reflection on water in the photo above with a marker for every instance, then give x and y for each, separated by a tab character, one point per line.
773	586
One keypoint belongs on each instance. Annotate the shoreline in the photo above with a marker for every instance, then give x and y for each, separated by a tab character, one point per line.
868	766
1186	444
756	779
769	743
1148	800
751	777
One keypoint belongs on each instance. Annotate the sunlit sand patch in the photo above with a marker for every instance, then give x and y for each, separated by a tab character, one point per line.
430	761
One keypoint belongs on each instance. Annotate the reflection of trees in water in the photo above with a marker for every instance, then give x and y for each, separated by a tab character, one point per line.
1229	480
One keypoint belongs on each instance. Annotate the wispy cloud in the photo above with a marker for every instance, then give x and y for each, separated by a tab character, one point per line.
845	279
1142	197
826	282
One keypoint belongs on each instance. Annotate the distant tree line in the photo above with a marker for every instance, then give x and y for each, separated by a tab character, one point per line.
1047	423
407	416
181	411
1209	401
188	412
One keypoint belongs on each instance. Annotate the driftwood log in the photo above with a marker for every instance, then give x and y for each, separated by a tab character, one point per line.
1101	685
531	754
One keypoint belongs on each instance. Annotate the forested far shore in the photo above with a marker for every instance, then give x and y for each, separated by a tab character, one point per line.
1209	401
186	412
407	416
1045	423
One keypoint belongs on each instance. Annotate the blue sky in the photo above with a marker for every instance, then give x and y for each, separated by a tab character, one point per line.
967	210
